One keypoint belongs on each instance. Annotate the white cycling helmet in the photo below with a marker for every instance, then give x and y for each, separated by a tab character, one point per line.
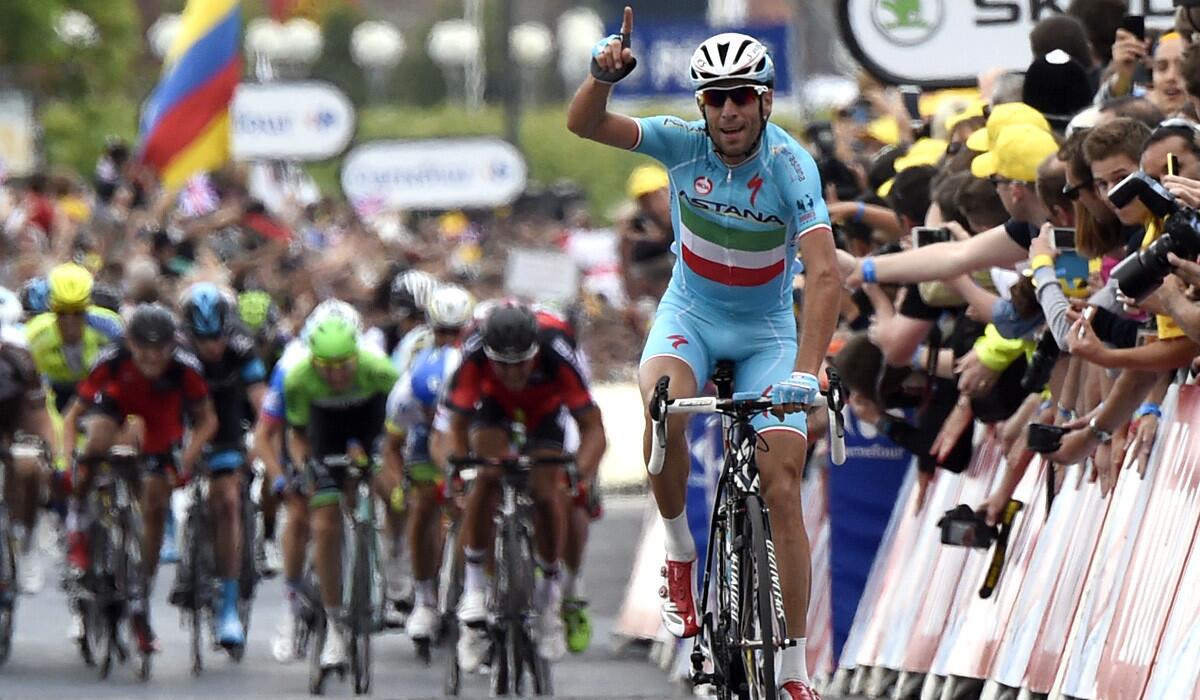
731	56
10	307
414	288
328	309
450	307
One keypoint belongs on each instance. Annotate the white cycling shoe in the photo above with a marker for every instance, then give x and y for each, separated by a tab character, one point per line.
283	646
333	653
549	630
473	646
422	623
32	577
472	608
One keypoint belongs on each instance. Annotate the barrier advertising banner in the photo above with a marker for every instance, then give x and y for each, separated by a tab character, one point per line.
304	121
435	174
937	43
862	495
1158	558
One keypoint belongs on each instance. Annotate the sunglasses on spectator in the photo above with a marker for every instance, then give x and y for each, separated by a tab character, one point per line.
1072	192
1177	125
741	95
996	181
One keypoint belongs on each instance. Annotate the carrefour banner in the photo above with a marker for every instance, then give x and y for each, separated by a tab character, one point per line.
948	43
665	50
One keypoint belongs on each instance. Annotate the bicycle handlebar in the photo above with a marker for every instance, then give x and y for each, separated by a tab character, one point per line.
661	406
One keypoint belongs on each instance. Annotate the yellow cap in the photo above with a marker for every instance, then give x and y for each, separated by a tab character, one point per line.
1019	151
885	130
974	110
1004	116
923	152
646	179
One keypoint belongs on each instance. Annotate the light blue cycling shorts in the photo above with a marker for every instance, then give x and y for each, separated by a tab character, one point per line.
762	347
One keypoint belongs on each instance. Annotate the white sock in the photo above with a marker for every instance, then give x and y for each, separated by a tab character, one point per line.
793	664
474	577
426	593
680	545
572	583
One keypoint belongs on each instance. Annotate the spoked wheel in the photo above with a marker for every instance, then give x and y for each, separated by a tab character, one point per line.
110	644
6	631
501	661
535	670
722	639
196	623
239	652
316	640
91	644
452	682
757	606
362	617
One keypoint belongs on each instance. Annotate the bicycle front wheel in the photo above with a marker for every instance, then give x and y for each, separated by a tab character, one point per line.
758	609
361	610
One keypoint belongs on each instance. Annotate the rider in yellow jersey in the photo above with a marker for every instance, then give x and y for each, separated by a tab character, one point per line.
65	341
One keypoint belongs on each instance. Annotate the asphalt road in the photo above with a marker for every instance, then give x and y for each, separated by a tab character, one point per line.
44	664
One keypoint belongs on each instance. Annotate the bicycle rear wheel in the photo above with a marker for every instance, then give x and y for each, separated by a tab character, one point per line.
248	581
758	613
450	583
8	579
197	581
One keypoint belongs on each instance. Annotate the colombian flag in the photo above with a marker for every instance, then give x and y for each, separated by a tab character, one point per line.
185	125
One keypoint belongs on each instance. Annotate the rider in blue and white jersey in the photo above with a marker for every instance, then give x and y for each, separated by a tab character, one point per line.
746	198
411	408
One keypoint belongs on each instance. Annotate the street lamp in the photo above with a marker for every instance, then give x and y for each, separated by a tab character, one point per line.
283	50
531	46
76	29
578	31
376	47
453	44
162	34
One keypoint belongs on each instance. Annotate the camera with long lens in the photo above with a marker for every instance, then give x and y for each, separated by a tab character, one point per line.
1143	271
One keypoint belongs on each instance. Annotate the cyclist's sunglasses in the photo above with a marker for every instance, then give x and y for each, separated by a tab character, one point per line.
741	95
340	363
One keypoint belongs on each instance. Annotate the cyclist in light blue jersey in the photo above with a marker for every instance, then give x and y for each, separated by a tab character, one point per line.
746	198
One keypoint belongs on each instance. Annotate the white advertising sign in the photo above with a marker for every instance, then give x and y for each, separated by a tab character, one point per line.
291	121
17	150
947	43
541	275
435	174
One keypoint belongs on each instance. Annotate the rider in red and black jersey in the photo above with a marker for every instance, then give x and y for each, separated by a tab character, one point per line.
516	376
148	391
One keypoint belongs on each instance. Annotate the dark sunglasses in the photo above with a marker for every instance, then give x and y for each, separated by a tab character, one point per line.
1072	192
741	95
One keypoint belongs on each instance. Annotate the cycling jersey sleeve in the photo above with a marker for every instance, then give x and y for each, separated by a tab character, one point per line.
95	381
296	396
272	407
378	373
463	394
800	185
193	386
667	139
402	411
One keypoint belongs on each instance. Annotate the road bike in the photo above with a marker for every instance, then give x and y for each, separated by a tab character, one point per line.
115	579
362	578
743	631
198	594
515	667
